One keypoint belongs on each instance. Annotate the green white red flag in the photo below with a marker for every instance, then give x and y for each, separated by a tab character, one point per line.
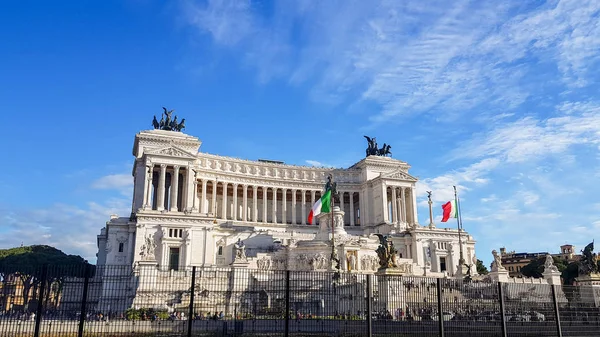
321	206
450	210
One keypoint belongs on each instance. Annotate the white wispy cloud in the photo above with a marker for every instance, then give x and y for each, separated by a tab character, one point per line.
409	57
521	75
120	182
70	228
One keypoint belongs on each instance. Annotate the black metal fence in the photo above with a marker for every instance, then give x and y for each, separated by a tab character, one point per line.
146	301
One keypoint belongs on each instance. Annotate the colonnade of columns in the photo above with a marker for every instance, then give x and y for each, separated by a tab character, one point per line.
166	187
174	188
254	203
403	205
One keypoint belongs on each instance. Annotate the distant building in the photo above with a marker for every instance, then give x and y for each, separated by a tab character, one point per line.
514	262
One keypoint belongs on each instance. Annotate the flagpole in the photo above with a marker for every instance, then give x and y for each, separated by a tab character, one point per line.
331	205
461	260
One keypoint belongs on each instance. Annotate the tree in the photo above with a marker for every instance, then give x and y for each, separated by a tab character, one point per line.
481	268
569	270
28	263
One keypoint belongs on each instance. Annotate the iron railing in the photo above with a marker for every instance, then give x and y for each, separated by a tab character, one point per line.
147	301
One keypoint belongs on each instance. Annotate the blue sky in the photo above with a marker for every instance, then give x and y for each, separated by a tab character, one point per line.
499	98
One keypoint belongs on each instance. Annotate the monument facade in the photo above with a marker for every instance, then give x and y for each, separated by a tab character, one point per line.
192	208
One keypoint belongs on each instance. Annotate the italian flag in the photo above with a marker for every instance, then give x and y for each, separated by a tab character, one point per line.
450	210
321	206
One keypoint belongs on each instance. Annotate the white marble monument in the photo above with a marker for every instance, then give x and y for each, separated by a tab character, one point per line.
192	208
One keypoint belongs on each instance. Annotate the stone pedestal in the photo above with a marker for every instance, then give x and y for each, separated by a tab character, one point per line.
552	277
392	294
589	289
499	275
325	232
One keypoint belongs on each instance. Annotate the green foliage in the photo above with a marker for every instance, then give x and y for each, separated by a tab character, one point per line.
481	268
535	268
30	260
28	263
569	271
145	314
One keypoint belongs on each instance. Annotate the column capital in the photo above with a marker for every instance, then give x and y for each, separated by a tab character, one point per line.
163	166
176	167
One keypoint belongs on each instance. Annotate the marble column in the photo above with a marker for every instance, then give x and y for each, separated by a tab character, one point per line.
351	208
203	201
384	198
234	212
312	202
245	203
341	193
395	205
186	186
413	200
274	220
224	202
255	203
214	199
303	207
294	217
264	204
194	194
174	189
284	206
148	192
403	195
160	201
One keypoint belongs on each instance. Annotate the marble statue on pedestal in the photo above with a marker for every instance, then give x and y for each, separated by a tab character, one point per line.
497	263
240	251
386	252
549	264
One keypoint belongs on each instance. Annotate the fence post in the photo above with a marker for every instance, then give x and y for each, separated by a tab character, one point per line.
40	309
84	295
191	309
556	312
439	307
287	303
369	306
502	311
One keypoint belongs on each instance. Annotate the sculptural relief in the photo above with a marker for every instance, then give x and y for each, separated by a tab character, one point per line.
240	251
369	263
351	261
147	251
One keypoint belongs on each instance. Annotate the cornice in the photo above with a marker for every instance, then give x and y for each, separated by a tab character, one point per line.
147	218
265	164
276	183
233	167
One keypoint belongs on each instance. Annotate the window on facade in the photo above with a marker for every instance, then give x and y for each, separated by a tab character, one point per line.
174	258
442	264
121	247
175	232
220	251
